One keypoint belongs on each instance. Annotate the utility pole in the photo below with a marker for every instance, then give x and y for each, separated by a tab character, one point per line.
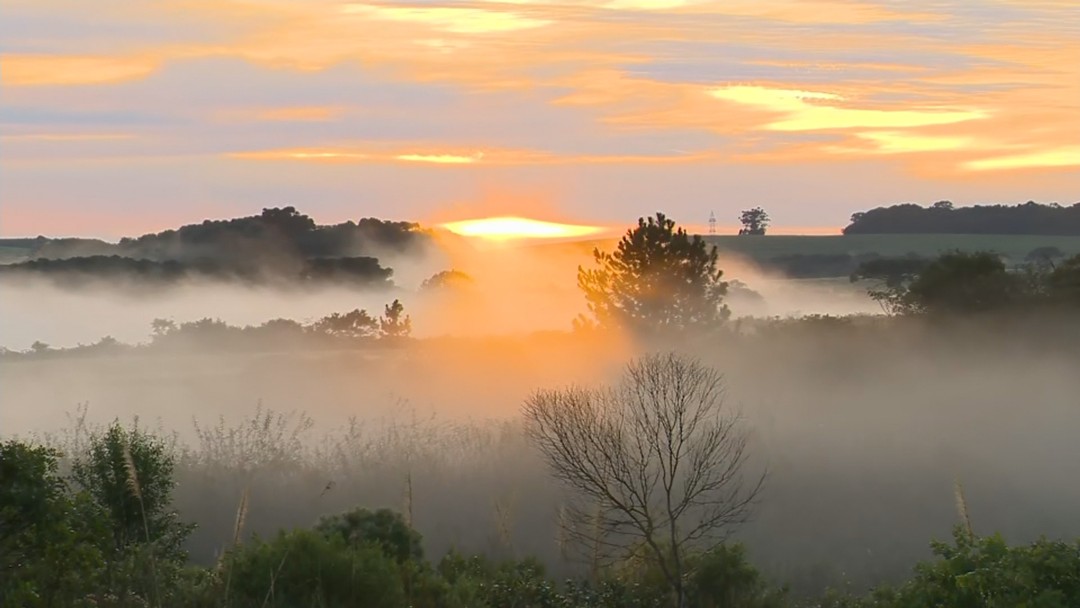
712	223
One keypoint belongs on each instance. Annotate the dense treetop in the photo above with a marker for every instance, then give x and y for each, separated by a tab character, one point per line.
276	231
944	218
280	244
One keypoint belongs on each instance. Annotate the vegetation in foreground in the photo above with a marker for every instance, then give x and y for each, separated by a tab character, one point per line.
105	534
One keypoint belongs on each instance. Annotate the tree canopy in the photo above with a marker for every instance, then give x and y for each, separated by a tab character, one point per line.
658	277
755	222
944	218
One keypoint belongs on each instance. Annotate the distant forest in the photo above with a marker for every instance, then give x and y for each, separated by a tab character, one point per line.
280	244
943	218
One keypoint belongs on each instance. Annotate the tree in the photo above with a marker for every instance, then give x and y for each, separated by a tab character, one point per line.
658	277
447	279
355	324
1063	283
394	322
959	282
654	463
893	277
755	221
128	476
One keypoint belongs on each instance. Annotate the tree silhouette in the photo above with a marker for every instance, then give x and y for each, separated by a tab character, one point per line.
755	221
394	322
659	277
654	464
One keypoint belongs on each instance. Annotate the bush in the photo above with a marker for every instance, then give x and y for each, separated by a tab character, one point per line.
384	528
127	476
306	568
49	552
984	572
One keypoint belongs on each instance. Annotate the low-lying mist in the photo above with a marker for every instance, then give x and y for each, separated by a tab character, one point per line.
864	427
864	424
514	289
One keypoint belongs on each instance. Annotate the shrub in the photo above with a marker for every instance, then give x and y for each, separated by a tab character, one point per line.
384	528
49	552
306	568
127	476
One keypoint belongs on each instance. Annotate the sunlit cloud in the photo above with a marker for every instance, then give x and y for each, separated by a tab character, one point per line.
480	157
50	70
465	94
815	111
1067	156
459	20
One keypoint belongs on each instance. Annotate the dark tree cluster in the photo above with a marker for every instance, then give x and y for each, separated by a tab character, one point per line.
944	218
279	243
76	271
964	283
658	277
754	221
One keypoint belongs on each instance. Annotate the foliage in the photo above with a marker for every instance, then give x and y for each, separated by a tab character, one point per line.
49	553
944	218
985	572
446	279
755	222
128	476
383	528
280	244
395	323
355	324
658	278
961	283
724	578
307	568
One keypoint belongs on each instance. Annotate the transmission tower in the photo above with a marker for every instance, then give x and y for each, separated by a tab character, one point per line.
712	223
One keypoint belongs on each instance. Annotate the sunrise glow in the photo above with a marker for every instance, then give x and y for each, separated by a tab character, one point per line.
512	228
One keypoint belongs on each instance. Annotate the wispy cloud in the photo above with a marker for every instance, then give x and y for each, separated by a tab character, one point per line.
934	96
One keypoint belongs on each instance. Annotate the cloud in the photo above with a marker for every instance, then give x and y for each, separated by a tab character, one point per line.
1065	156
458	20
539	94
64	70
487	156
815	111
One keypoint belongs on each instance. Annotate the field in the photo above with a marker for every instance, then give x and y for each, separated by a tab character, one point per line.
1014	247
764	248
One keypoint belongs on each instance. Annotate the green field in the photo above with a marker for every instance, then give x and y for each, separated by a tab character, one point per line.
1014	247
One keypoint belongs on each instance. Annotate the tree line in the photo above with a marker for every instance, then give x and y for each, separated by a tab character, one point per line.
278	245
960	283
945	218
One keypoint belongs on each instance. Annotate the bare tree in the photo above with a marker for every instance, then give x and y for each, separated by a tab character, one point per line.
654	462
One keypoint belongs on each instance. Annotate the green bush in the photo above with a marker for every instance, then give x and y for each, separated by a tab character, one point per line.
385	528
49	539
984	572
128	477
304	568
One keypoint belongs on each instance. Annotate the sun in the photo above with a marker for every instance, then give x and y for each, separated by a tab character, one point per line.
512	228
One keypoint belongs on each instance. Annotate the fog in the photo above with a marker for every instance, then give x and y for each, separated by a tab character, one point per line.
515	289
864	426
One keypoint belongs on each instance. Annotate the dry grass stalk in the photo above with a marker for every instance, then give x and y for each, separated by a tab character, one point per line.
962	510
136	490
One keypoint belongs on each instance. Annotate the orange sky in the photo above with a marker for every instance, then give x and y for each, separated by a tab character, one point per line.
125	116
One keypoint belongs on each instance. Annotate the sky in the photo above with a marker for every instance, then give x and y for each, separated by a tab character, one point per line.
120	117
